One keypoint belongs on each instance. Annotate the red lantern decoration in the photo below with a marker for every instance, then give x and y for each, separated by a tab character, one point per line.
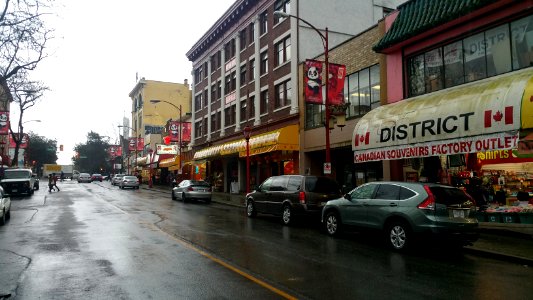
166	140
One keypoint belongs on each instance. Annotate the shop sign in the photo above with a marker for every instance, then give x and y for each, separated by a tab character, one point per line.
501	141
166	149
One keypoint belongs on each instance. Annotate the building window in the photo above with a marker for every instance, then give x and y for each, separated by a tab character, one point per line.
219	59
243	111
252	33
263	105
198	129
242	37
284	6
251	110
252	69
214	122
263	68
283	51
229	115
489	53
229	50
263	23
198	102
206	70
219	89
205	126
213	92
283	94
206	98
243	74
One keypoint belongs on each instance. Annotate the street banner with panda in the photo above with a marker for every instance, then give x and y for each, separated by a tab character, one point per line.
174	131
313	81
4	122
23	142
136	141
337	73
114	151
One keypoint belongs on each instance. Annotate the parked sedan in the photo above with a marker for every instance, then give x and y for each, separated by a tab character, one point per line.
192	189
5	206
130	182
117	179
84	177
97	177
404	209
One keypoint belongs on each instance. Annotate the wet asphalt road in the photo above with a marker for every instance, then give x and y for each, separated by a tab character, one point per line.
95	241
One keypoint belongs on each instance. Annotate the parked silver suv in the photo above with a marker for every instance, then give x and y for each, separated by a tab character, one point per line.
290	195
403	209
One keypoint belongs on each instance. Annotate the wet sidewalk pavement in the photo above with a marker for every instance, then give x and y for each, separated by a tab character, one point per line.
511	242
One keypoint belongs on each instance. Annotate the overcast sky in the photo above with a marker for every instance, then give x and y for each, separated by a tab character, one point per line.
99	48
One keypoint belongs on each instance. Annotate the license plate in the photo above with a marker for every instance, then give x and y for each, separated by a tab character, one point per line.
458	214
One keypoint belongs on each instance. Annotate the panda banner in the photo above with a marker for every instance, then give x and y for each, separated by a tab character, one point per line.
174	131
337	73
313	81
4	122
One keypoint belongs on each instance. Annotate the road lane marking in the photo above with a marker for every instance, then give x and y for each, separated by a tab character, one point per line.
228	266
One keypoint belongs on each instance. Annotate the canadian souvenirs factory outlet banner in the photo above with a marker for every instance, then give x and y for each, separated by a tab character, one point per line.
484	116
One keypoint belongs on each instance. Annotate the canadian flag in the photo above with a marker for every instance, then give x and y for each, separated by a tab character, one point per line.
362	139
497	116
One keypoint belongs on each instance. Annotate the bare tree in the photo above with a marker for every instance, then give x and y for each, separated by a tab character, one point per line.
25	94
23	37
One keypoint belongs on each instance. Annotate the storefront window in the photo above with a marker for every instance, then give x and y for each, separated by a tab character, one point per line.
475	66
353	82
498	50
453	64
522	42
364	92
415	71
433	73
375	87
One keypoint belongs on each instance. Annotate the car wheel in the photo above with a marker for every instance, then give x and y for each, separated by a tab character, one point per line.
3	219
332	223
183	198
250	209
286	216
398	235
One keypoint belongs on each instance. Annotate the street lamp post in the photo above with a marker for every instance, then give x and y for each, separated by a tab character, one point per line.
324	38
135	132
247	133
150	182
180	129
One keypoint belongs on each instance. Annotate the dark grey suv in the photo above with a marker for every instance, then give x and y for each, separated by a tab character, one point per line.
403	209
291	195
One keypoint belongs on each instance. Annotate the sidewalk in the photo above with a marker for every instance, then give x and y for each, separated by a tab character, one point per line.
507	241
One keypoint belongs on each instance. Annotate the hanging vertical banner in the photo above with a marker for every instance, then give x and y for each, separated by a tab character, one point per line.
140	144
132	143
313	81
174	131
114	151
23	142
337	73
4	122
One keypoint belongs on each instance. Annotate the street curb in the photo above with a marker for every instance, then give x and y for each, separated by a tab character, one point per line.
500	256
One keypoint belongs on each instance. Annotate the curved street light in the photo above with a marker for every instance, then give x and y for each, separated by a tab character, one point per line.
324	38
179	130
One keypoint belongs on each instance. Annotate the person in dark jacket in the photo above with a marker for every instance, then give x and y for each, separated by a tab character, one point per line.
500	196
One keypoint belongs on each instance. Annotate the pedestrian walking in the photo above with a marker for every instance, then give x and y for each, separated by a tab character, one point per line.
55	182
50	182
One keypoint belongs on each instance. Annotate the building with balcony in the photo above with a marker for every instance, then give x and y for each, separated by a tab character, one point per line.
246	72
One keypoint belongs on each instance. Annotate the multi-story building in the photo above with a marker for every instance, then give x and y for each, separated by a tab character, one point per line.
460	88
246	72
148	118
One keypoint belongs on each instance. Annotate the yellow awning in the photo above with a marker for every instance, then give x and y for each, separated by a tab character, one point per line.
285	138
169	162
479	116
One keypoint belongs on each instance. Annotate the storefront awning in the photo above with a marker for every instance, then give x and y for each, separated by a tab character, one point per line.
285	138
169	162
480	116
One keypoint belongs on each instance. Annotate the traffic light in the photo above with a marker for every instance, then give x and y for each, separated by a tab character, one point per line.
60	147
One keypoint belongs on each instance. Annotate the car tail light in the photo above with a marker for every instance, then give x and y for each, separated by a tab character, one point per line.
429	202
301	197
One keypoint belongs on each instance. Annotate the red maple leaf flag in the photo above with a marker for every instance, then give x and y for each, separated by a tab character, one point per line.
362	139
497	116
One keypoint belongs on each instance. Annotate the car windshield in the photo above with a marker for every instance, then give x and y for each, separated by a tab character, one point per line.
130	178
16	174
84	174
199	183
